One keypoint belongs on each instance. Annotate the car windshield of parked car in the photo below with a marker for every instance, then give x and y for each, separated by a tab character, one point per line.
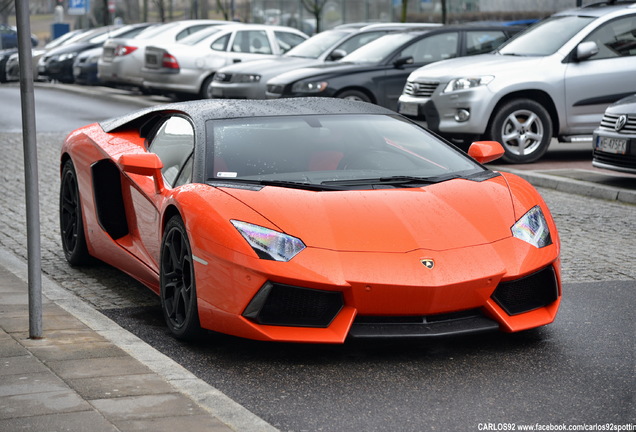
379	49
316	45
546	37
331	152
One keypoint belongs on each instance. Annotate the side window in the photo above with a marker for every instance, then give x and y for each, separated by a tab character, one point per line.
481	42
615	39
221	43
174	143
287	41
251	41
433	48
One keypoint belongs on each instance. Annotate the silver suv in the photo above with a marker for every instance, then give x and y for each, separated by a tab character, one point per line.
553	80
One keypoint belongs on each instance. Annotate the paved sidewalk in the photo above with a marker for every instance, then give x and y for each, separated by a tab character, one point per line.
87	374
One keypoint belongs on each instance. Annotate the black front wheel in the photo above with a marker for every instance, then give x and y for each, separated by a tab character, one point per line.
178	287
71	223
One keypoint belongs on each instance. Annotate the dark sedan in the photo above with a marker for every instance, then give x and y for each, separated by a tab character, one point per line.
57	64
615	139
378	71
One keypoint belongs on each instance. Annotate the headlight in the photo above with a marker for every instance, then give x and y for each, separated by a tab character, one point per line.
533	228
67	56
309	86
269	244
247	78
467	83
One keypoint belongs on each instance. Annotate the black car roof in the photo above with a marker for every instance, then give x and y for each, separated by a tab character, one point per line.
216	109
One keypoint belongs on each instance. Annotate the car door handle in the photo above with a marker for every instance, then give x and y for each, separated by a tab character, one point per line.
236	60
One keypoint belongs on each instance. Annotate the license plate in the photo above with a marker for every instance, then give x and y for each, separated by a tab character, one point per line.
217	92
77	71
612	145
409	109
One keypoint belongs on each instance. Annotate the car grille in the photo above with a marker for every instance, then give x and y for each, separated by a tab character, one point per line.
609	122
275	89
285	305
420	89
627	161
528	293
464	322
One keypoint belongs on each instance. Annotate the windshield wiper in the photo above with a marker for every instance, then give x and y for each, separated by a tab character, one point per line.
279	183
393	180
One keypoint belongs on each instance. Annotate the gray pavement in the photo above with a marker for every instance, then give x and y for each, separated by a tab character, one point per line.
87	373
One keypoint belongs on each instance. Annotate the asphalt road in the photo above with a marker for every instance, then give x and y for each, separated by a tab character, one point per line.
580	370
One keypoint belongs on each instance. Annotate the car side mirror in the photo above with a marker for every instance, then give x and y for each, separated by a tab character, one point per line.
485	151
337	54
146	164
585	50
403	61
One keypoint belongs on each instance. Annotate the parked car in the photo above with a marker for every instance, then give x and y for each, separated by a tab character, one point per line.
188	68
615	138
85	66
13	63
249	80
123	58
554	80
378	71
9	37
5	54
308	220
57	64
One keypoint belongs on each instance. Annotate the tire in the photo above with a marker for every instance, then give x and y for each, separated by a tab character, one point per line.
354	95
71	221
524	129
206	88
178	287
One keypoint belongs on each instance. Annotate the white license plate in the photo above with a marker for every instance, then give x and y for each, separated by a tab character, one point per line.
612	145
409	109
77	70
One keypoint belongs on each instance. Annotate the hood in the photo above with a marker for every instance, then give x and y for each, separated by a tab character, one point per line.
449	215
484	64
624	106
314	71
270	67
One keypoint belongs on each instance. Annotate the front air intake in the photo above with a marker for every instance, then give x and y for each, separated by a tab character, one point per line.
286	305
528	293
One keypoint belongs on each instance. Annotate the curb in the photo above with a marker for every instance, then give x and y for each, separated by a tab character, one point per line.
573	186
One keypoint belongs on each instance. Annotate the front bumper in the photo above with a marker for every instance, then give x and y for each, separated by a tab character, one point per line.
616	161
326	296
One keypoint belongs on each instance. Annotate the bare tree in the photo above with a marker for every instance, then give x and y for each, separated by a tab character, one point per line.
315	8
405	5
220	7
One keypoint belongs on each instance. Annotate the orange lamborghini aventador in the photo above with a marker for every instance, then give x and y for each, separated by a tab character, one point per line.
308	220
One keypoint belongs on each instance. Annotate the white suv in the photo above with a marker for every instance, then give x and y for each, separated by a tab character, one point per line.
553	80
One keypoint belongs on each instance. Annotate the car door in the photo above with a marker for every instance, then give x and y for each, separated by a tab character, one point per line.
425	50
173	143
592	84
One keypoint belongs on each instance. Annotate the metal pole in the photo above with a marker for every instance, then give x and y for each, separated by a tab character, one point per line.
30	169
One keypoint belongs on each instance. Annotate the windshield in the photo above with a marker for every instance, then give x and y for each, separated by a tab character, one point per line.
377	50
331	151
316	45
546	37
154	31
